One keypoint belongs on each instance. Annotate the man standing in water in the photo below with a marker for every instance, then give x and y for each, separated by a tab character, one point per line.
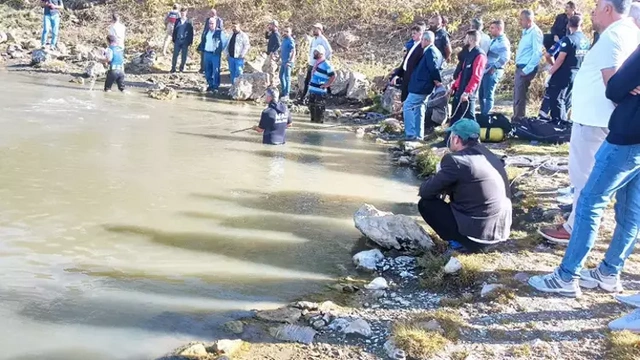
114	58
51	22
169	22
275	119
322	76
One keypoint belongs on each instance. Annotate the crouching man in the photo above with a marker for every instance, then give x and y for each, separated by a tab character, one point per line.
274	121
114	58
478	213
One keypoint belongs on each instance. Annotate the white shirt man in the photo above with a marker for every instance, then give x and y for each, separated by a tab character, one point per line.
118	30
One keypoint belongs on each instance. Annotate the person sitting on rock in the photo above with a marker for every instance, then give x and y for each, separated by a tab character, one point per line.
275	119
114	58
322	76
478	213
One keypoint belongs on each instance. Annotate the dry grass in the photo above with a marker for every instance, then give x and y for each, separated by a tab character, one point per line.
418	343
520	147
455	302
522	351
471	273
623	345
427	161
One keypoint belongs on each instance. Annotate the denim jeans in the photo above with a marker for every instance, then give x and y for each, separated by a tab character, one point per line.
616	171
51	23
413	111
212	70
179	49
285	79
236	68
488	89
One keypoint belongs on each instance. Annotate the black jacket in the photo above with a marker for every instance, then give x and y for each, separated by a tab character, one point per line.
624	124
183	33
405	75
477	185
560	26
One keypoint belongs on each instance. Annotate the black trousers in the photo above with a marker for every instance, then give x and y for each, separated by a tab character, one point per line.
307	79
557	101
183	50
317	106
116	76
461	110
438	215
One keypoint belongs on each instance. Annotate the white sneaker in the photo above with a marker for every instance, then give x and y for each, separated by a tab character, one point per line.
565	199
633	300
552	283
565	190
630	322
592	278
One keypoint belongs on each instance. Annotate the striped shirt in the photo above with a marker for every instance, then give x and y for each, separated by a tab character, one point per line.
321	75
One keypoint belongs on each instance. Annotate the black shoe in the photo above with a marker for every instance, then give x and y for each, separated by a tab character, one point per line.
173	71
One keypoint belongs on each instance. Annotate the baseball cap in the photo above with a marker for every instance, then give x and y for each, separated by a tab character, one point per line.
320	49
319	26
465	128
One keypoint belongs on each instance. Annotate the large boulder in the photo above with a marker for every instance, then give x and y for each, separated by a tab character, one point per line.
359	86
249	86
284	315
39	57
95	69
294	333
142	63
345	39
256	64
391	231
340	85
391	100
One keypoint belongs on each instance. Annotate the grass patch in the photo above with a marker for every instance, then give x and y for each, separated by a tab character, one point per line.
436	279
502	296
418	343
456	302
427	161
521	147
623	345
450	322
521	351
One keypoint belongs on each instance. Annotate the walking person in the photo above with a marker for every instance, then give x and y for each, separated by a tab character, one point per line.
211	44
497	58
287	58
591	108
114	58
565	64
273	46
322	76
424	79
616	171
318	40
182	40
117	29
169	23
442	38
236	51
527	61
51	21
402	74
219	25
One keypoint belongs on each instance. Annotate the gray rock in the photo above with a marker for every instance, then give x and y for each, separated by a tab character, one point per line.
393	352
358	327
391	231
453	266
193	350
95	69
62	48
3	37
345	39
227	347
294	333
368	260
339	324
359	86
39	57
391	100
256	65
522	277
164	93
284	315
327	306
404	161
142	63
318	324
404	260
18	55
305	305
249	86
391	126
31	44
340	85
234	327
489	288
378	283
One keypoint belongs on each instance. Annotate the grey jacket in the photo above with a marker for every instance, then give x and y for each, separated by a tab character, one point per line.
477	185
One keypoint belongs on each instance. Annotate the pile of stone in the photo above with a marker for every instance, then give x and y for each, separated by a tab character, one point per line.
162	92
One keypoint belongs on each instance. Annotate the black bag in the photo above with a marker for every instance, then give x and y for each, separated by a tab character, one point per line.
535	129
493	121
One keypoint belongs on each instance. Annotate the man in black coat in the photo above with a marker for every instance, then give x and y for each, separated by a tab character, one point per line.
560	26
402	74
182	39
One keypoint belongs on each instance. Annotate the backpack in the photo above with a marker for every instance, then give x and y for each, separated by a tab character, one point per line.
535	129
495	127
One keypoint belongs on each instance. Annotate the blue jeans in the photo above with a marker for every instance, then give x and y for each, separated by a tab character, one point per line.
236	68
51	23
212	70
616	171
413	111
488	89
285	79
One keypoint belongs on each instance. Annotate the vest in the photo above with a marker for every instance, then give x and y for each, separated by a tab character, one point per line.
173	16
467	69
117	62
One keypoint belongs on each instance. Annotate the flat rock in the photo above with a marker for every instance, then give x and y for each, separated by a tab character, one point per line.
305	305
283	315
368	260
234	327
193	350
294	333
359	327
453	266
489	288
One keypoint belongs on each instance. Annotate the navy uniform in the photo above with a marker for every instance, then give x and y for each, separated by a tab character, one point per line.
557	98
115	73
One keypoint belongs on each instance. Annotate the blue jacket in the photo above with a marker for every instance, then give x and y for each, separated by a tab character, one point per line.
624	124
426	72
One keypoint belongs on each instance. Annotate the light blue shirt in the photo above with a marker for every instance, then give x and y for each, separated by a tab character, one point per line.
530	49
499	52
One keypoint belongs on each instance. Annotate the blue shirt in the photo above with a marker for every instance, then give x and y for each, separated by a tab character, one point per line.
287	47
499	52
408	45
323	72
48	11
530	49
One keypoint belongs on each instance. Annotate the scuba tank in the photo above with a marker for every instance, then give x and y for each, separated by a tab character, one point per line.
494	134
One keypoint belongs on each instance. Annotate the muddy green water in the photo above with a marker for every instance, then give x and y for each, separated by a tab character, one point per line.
129	225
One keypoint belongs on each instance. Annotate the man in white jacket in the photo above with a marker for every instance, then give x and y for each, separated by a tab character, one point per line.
117	29
236	50
318	39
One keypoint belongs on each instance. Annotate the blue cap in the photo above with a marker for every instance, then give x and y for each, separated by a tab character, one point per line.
465	129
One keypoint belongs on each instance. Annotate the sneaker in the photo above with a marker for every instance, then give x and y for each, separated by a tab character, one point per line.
552	283
555	234
565	199
592	278
630	322
633	300
566	190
